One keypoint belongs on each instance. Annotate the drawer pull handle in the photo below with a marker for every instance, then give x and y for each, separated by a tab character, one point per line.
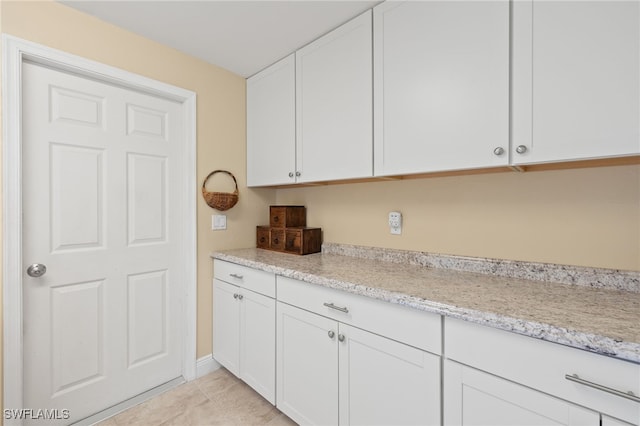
629	395
337	308
236	276
341	337
331	334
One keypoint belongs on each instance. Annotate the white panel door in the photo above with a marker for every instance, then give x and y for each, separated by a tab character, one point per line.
383	382
475	398
307	366
271	125
99	201
334	110
576	80
441	85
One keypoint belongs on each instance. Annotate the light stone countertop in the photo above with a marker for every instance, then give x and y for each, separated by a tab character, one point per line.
601	320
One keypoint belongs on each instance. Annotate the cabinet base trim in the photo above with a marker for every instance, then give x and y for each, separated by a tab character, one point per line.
206	365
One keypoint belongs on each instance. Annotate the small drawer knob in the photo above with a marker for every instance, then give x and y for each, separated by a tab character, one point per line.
290	174
521	149
498	151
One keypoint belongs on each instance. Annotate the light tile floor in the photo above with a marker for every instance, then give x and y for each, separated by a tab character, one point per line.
218	398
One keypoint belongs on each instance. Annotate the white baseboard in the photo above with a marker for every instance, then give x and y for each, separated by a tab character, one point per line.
206	365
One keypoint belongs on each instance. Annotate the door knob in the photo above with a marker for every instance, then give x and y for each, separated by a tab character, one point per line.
36	270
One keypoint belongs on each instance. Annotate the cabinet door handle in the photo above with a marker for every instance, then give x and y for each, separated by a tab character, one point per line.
575	378
337	308
236	276
240	297
235	295
341	337
331	334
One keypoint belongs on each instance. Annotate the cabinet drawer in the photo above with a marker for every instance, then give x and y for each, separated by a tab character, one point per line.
413	327
287	216
277	239
263	237
252	279
303	240
543	365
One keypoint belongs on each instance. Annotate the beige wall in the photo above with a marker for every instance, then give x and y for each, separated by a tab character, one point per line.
585	217
220	117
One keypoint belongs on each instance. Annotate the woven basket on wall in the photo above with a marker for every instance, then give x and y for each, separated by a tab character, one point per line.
220	200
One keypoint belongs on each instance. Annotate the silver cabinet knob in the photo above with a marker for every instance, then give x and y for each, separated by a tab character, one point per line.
521	149
235	295
498	151
290	174
341	337
36	270
297	174
331	334
240	297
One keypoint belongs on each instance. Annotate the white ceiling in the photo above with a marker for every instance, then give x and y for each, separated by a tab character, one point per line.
240	35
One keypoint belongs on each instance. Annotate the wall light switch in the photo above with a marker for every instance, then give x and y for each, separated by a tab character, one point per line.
395	223
218	222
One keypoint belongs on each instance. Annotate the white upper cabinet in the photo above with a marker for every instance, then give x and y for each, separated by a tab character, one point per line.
334	104
271	127
576	80
441	71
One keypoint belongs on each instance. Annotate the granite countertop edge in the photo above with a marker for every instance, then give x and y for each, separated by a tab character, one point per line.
624	350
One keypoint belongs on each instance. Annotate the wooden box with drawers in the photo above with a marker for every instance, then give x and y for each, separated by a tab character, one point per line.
287	232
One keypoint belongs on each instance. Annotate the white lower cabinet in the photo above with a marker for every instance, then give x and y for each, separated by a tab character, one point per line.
244	333
330	372
473	398
383	382
307	366
329	357
493	377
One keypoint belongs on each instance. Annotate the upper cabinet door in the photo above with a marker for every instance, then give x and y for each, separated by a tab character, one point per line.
334	104
576	80
271	134
441	72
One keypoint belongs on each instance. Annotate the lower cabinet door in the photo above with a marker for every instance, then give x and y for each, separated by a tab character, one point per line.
226	325
383	382
473	397
307	366
258	343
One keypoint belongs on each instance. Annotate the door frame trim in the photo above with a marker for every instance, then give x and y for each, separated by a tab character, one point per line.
14	52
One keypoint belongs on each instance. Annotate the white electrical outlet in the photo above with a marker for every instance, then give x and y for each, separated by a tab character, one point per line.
218	222
395	223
